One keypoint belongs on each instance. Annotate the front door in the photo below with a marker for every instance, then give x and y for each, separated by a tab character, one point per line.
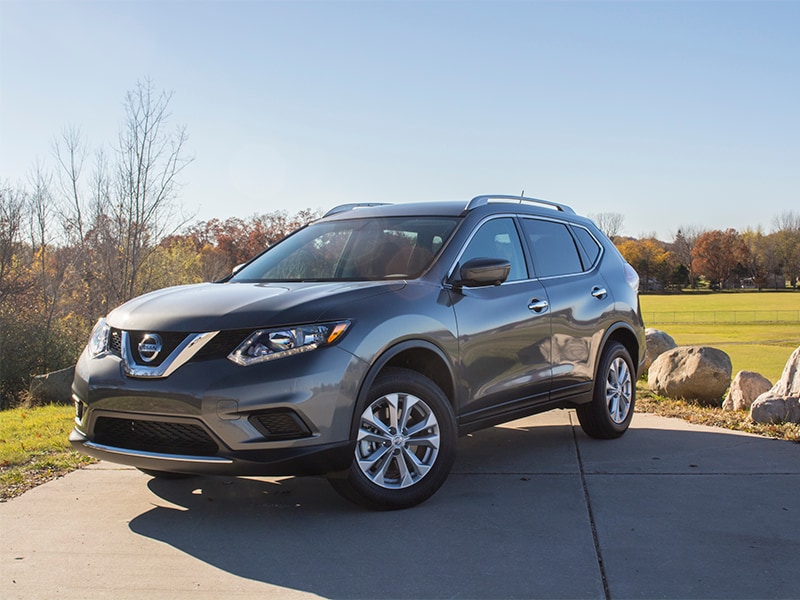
503	330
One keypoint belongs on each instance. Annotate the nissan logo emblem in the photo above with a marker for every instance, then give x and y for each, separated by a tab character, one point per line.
149	347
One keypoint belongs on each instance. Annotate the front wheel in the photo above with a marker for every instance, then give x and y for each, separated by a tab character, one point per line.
405	438
609	413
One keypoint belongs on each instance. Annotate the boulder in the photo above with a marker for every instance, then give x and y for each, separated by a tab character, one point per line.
658	342
698	373
781	404
52	388
745	388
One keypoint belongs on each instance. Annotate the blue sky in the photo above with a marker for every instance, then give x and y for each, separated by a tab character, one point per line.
671	113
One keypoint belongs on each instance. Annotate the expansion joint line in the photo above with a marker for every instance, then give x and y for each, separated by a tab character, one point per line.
598	552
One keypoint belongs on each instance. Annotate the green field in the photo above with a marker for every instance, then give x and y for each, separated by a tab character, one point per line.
758	330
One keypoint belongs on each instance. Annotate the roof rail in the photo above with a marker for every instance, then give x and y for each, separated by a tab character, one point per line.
345	207
483	200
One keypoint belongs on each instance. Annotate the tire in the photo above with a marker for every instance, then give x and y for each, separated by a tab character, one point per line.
609	413
405	443
164	474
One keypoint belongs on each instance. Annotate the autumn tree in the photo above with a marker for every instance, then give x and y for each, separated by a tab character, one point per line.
650	258
225	244
717	254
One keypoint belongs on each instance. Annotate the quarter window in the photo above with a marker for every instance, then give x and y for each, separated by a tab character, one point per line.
588	246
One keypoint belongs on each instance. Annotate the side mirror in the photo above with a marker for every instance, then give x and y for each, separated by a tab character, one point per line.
480	272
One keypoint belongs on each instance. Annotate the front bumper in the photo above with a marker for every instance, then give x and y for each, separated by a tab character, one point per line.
313	460
287	417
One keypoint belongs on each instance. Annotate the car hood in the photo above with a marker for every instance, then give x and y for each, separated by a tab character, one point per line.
219	306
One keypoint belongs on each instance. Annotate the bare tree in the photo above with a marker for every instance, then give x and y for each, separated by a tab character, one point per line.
13	214
609	223
50	261
143	209
70	154
788	220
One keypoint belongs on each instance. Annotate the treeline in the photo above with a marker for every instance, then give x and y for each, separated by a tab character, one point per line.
720	259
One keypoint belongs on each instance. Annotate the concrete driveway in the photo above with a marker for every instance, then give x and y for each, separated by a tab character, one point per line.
533	509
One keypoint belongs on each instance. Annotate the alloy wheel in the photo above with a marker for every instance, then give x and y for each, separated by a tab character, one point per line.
398	441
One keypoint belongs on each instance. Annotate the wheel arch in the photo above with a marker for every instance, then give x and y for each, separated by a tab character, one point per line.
622	333
416	355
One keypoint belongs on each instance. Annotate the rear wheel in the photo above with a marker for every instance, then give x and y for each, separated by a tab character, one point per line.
405	438
609	413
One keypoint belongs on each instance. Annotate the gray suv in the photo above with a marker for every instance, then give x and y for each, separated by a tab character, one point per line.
362	345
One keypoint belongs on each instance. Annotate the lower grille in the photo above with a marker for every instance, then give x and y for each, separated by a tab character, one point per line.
154	436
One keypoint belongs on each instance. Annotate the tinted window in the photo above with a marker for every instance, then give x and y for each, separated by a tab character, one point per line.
554	251
589	247
498	238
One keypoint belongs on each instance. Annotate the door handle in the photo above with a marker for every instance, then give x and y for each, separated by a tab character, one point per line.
599	292
538	306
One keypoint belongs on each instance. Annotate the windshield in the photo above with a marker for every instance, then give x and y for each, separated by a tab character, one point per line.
353	250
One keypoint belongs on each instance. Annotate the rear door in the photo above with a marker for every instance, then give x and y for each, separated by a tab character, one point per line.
566	260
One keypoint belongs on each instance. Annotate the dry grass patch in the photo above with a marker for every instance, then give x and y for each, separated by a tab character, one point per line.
738	420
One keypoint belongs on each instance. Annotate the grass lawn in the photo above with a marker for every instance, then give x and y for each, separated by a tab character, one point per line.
723	301
34	447
753	345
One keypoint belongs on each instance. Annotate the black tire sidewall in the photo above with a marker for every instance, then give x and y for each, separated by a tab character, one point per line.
594	417
359	488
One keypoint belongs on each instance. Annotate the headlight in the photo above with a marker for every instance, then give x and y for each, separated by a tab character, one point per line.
269	344
98	342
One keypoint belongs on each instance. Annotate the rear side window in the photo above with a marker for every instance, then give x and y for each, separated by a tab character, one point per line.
553	247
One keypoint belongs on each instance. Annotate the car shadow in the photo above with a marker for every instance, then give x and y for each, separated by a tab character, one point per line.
473	538
511	521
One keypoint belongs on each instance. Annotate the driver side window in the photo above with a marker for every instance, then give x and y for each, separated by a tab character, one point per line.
498	238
